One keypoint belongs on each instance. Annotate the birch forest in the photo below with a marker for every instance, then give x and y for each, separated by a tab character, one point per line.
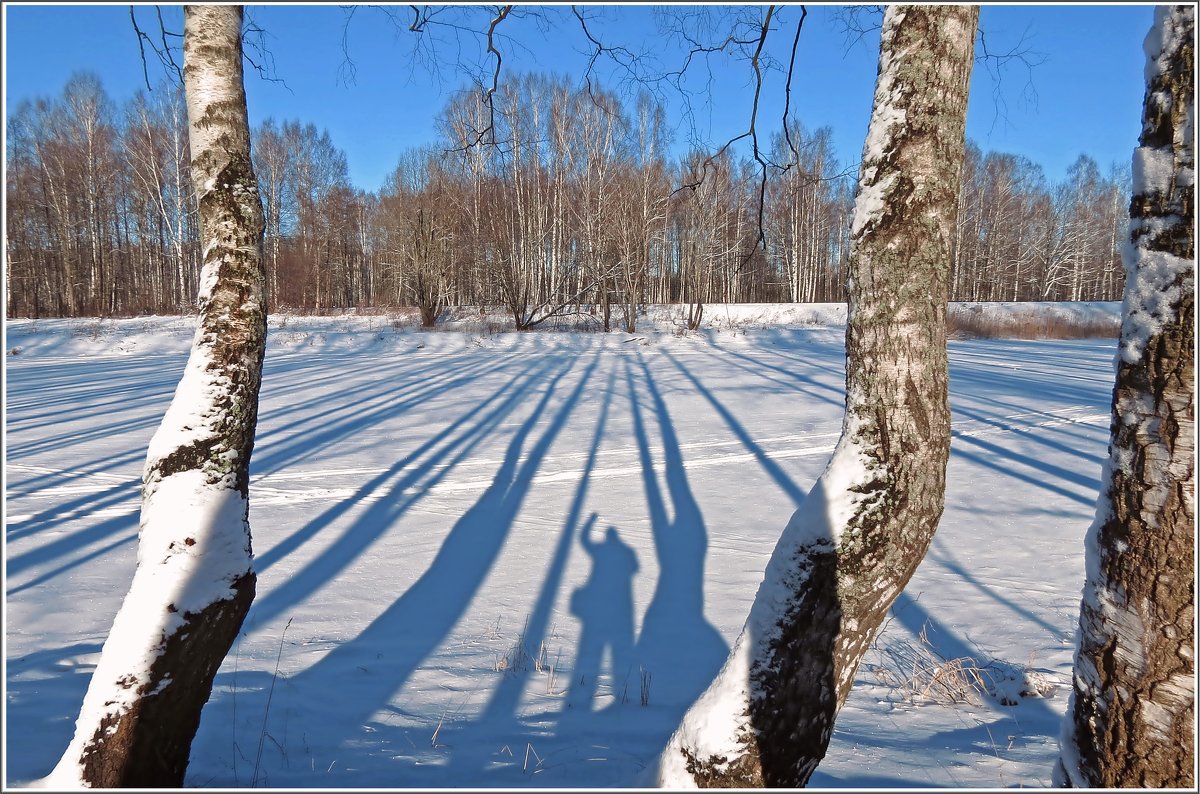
556	197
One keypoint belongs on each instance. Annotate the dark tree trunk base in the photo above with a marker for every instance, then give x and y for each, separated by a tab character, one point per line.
153	740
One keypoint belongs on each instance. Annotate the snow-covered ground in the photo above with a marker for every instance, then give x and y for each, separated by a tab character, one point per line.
440	596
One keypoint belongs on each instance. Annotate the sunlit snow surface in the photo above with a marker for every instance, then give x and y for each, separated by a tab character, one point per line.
418	502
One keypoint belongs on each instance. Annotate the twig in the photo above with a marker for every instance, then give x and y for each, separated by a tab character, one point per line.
267	711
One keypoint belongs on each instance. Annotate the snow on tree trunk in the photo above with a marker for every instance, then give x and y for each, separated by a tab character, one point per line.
858	536
194	580
1132	713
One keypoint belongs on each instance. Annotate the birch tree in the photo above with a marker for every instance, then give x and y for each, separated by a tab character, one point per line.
858	536
194	580
1131	718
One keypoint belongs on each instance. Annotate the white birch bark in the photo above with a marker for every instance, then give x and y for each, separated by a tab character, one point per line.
194	580
1131	717
857	538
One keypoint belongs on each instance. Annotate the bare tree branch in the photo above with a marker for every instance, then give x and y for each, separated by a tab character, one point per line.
787	90
997	62
491	92
254	39
164	53
752	131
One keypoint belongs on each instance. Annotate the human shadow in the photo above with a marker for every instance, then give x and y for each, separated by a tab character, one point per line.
604	605
500	716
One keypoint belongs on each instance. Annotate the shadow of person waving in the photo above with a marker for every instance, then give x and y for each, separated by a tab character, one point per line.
604	604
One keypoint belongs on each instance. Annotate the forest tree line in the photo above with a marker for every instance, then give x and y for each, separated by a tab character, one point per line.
555	198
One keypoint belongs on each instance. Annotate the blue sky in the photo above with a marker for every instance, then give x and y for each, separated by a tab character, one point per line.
1088	84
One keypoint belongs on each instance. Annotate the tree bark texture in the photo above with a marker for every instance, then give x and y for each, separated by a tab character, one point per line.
195	581
1132	714
857	538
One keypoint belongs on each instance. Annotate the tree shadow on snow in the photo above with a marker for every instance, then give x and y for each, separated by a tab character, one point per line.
1031	716
379	394
392	493
417	622
92	532
676	644
770	466
43	691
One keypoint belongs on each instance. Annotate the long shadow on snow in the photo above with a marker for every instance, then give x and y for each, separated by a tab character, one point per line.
370	406
813	387
676	645
98	532
67	544
83	505
1047	375
383	510
414	625
267	457
1043	437
40	711
130	521
942	556
995	453
70	438
771	467
104	464
1070	430
499	717
152	384
370	377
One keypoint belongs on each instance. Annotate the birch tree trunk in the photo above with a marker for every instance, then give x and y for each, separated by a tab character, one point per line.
1132	713
857	538
194	580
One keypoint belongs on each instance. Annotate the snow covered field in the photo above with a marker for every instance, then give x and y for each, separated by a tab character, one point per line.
441	601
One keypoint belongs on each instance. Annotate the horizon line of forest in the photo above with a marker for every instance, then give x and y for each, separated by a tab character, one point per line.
562	197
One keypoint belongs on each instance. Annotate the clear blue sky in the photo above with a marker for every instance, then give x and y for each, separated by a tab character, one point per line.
1088	85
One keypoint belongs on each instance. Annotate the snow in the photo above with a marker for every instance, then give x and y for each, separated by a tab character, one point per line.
1153	170
417	500
887	118
1155	279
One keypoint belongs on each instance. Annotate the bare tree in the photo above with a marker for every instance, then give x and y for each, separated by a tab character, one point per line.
857	538
194	581
98	231
156	152
414	216
1131	720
